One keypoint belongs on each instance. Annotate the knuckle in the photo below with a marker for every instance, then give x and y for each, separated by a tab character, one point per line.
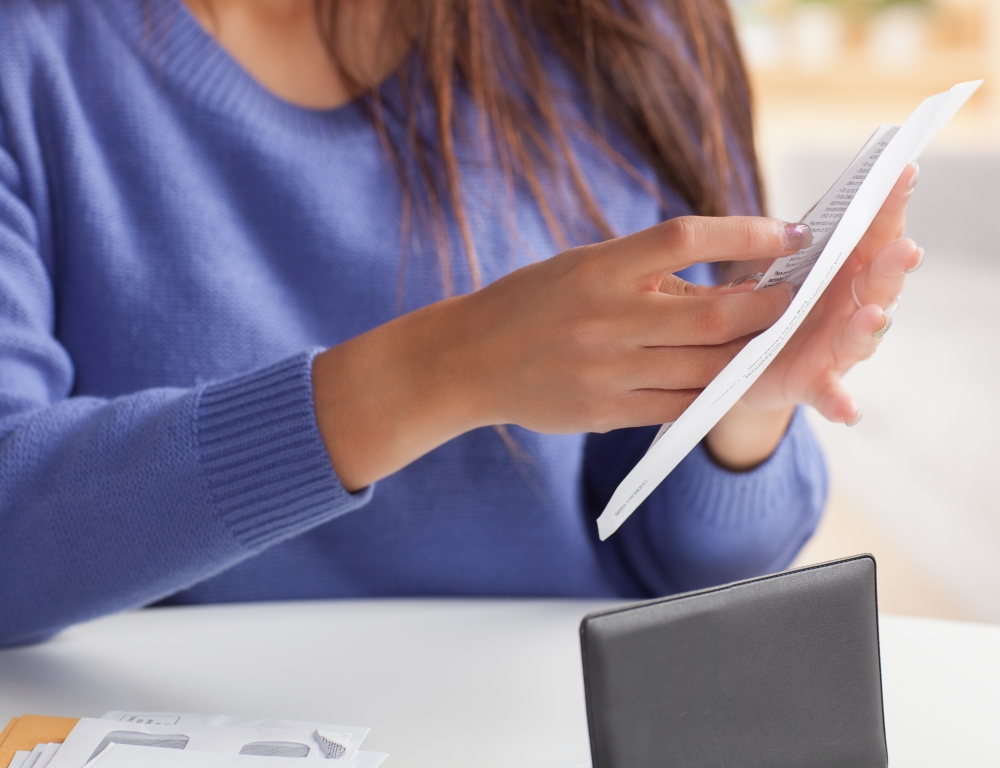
603	423
714	363
689	397
711	363
680	233
684	288
754	236
703	373
582	266
714	321
779	302
678	403
669	412
601	417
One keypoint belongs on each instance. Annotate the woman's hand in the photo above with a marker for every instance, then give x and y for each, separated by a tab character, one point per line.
835	335
596	338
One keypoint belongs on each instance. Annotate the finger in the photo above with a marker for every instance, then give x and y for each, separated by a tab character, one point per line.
860	337
661	320
675	286
679	367
836	404
686	240
881	281
646	407
890	222
732	271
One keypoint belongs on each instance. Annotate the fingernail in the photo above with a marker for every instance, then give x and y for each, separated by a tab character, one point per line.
755	277
856	419
886	325
916	175
918	265
796	237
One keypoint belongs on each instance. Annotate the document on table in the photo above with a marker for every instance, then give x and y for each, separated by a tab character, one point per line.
334	741
130	756
39	757
212	734
841	217
160	737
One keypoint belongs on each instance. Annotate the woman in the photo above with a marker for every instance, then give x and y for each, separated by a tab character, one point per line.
245	351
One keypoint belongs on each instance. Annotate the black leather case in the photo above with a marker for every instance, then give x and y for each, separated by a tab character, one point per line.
777	671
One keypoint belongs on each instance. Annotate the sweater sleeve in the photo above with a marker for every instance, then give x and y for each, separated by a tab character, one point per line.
110	504
705	525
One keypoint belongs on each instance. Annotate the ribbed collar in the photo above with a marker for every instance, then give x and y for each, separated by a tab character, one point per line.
168	38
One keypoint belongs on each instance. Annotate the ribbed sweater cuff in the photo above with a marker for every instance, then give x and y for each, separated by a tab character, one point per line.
267	469
734	500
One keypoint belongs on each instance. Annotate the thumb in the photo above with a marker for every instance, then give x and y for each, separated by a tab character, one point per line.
675	286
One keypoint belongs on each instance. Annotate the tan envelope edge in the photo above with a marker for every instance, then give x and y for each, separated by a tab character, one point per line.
28	731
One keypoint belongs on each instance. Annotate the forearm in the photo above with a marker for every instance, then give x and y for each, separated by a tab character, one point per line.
112	504
91	522
387	397
595	338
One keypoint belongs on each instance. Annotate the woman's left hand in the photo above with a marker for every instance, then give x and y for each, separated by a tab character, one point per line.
835	335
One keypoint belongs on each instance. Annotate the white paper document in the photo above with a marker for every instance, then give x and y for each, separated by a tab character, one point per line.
828	213
47	754
29	760
130	756
218	734
841	218
327	736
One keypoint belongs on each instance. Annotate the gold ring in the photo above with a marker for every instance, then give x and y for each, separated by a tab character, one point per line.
854	292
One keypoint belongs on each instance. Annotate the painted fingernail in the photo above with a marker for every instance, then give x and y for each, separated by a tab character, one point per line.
916	175
796	237
918	265
886	325
754	277
857	417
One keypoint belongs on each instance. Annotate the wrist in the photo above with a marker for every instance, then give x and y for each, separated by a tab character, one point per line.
747	436
388	396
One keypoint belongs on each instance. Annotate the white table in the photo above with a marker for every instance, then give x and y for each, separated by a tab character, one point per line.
450	683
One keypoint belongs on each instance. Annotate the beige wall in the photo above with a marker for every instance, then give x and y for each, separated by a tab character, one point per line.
902	485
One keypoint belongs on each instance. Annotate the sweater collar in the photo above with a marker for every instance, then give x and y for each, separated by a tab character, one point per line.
167	37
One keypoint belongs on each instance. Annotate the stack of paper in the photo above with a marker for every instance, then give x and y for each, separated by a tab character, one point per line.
178	740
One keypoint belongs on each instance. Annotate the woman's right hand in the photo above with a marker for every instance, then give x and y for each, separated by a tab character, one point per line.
596	338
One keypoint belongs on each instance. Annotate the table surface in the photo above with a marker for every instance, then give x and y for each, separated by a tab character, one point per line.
450	682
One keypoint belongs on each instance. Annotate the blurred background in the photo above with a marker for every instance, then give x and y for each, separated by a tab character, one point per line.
917	482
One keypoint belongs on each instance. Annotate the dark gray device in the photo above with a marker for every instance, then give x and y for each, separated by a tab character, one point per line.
781	671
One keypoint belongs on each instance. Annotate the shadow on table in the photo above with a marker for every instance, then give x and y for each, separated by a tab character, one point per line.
37	679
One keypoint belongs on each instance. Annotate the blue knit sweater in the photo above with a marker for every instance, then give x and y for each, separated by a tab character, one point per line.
175	245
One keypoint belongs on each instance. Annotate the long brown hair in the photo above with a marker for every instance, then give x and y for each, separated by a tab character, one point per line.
667	73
